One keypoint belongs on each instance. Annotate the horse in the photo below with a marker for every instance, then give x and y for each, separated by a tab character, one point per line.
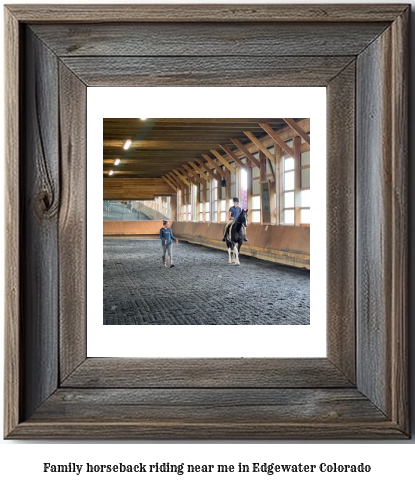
235	237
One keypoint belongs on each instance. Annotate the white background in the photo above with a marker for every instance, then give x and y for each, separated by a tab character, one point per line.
392	462
202	341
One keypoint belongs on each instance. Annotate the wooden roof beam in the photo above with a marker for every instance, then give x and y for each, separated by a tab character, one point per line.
234	157
199	170
260	146
251	157
179	186
289	150
206	167
185	176
169	183
214	164
298	130
194	175
181	177
175	180
189	177
223	160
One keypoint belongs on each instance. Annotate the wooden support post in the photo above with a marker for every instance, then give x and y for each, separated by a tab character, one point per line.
264	191
262	166
297	179
278	183
228	187
272	206
249	186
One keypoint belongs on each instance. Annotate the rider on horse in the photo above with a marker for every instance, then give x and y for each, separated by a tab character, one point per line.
234	213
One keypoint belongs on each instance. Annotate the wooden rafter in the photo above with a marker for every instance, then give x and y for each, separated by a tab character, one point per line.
185	181
251	158
223	160
175	180
260	146
186	176
193	174
169	183
214	164
177	184
199	170
231	154
297	129
206	168
278	139
167	144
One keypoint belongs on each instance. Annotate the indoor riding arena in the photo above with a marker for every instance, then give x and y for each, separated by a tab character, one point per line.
170	188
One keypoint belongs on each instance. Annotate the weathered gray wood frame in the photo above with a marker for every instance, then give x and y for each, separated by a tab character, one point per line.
359	52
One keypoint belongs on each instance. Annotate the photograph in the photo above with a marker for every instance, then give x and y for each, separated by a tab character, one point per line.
206	221
181	190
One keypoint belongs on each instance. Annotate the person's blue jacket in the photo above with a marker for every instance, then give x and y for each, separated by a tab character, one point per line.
166	235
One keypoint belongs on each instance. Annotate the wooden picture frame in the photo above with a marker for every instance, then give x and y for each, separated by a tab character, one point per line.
360	53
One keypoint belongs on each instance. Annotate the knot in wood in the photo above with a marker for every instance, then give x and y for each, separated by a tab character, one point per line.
47	206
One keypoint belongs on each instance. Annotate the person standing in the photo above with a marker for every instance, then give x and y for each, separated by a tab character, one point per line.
166	236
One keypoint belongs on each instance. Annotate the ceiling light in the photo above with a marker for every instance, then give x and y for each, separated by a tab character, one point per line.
127	144
143	119
117	162
111	173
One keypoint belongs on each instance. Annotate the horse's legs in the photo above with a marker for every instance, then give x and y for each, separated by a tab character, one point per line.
235	250
230	253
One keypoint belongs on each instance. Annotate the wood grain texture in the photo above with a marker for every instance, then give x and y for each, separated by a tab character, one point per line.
72	222
400	259
341	236
134	188
233	39
13	383
206	13
382	222
400	233
40	173
206	373
209	405
209	399
200	71
373	221
162	145
188	430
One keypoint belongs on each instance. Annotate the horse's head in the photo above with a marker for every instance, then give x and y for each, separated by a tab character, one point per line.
244	216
